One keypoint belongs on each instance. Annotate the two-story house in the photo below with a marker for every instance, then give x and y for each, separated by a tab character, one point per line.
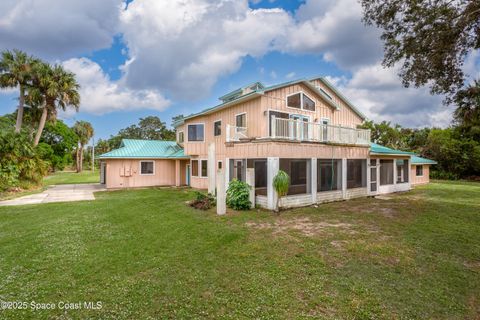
306	128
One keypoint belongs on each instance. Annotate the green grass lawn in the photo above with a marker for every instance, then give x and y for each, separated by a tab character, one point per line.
65	177
145	254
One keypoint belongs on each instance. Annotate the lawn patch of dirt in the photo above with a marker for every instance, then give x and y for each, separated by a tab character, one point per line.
303	225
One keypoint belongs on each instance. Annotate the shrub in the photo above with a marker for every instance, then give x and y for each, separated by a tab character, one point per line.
202	201
281	183
238	195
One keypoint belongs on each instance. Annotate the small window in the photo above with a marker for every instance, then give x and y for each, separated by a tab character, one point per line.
220	165
181	137
147	167
194	168
308	104
419	171
241	120
204	168
217	128
295	101
195	132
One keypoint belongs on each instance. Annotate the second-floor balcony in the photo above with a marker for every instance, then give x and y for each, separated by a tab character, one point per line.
301	130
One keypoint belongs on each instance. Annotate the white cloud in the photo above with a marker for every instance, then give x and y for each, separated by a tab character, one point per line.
184	47
290	75
100	95
57	28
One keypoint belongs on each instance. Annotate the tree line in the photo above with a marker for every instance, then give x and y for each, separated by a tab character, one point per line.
32	140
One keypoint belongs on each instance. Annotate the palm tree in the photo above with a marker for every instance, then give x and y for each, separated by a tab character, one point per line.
53	88
84	131
15	71
281	183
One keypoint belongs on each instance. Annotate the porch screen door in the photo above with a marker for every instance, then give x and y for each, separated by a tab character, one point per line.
373	175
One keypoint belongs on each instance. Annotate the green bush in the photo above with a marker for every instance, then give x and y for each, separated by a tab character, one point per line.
238	195
281	183
203	201
20	161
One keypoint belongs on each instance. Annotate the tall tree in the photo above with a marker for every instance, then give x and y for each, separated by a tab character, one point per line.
430	39
53	88
467	115
15	71
148	128
84	131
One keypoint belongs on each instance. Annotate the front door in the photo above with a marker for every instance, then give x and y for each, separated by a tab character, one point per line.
187	174
373	176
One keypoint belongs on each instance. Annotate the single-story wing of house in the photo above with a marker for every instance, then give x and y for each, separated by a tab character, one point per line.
420	170
144	163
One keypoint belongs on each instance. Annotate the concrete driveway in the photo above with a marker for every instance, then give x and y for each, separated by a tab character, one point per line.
58	193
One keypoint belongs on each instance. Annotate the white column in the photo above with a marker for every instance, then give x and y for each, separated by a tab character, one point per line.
226	165
250	179
395	174
273	165
313	179
368	175
221	194
211	168
344	178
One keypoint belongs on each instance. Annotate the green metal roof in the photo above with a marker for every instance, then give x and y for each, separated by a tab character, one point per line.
420	160
379	149
146	149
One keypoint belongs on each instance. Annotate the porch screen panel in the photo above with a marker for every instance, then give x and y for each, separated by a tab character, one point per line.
297	171
329	176
356	173
386	172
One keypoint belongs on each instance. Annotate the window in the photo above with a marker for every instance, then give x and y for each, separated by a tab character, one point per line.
295	101
194	168
180	137
217	128
386	172
147	167
300	101
241	120
329	175
308	104
195	132
204	168
356	173
419	171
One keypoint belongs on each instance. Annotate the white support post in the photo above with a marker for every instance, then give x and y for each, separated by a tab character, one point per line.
227	135
226	165
273	165
211	168
250	179
221	193
395	174
344	178
369	178
274	127
313	179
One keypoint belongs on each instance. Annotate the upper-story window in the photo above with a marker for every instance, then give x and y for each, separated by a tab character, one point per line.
241	120
217	128
300	101
196	132
181	137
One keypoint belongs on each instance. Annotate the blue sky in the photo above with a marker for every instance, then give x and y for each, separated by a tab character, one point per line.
169	58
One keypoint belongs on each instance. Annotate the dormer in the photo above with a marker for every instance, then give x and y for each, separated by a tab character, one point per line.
235	94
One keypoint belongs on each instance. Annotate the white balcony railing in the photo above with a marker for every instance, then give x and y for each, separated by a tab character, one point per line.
299	130
236	133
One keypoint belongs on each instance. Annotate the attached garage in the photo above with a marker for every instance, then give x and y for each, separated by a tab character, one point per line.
144	163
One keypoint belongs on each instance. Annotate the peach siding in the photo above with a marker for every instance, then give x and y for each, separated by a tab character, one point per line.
130	169
422	179
294	150
276	100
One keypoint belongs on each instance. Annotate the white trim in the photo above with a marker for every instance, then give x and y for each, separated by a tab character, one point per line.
193	124
140	168
324	119
221	129
191	168
220	161
199	168
301	101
